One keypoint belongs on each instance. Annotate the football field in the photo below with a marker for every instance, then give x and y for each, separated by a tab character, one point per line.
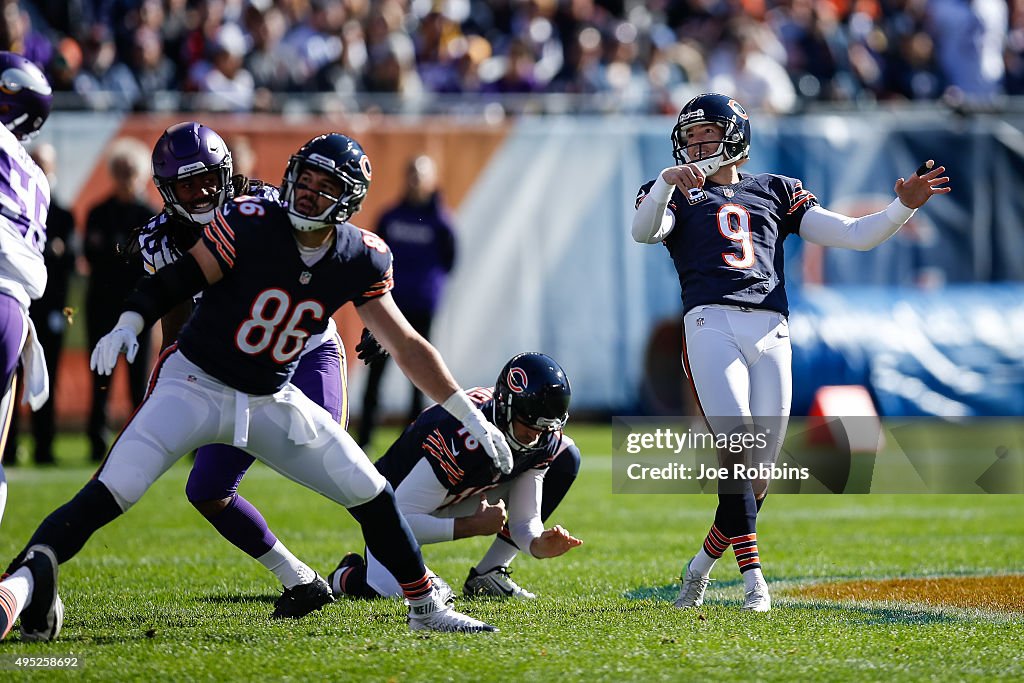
158	595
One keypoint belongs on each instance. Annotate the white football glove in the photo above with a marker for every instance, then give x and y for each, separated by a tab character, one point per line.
124	337
489	436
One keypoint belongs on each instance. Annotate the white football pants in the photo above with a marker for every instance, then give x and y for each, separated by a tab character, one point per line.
187	408
740	363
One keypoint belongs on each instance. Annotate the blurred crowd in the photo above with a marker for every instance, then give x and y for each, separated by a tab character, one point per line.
643	55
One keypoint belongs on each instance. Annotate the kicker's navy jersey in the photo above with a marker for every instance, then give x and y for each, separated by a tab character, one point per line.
459	462
250	327
727	240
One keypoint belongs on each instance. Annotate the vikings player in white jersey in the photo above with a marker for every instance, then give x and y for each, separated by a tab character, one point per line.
724	231
271	274
192	169
25	98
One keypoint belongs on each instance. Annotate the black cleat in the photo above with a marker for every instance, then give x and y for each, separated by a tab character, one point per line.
43	616
299	601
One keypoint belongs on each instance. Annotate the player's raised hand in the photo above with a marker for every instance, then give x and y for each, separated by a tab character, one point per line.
104	356
554	542
686	177
919	188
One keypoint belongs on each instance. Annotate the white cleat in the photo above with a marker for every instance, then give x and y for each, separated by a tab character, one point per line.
757	599
435	613
496	583
691	593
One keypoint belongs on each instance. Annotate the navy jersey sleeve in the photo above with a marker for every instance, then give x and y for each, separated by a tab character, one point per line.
376	261
796	201
219	237
642	194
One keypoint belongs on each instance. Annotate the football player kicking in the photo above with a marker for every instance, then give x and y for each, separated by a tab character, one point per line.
447	488
192	169
271	275
724	231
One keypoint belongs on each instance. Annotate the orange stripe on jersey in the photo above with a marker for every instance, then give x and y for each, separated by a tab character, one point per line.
220	248
382	287
223	230
801	198
453	478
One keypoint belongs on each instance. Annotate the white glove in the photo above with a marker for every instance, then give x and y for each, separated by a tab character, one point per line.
489	436
492	439
124	337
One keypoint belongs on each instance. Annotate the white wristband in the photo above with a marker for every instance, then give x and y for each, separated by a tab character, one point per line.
130	320
459	405
898	212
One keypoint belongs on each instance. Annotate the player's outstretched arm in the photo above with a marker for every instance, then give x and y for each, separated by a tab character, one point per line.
425	368
830	229
152	298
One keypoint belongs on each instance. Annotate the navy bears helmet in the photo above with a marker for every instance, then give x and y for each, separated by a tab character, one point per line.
186	150
532	389
341	157
723	111
25	96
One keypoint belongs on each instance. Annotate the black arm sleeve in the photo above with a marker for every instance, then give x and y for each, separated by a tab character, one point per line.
154	295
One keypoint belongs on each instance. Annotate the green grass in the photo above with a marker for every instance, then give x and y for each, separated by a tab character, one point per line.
158	595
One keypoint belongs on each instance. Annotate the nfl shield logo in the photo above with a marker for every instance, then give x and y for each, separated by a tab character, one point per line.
728	192
305	277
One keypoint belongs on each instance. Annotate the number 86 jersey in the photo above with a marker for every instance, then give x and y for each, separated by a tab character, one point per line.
727	240
250	326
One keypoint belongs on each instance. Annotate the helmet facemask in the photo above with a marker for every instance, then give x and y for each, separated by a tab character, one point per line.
187	210
730	148
341	208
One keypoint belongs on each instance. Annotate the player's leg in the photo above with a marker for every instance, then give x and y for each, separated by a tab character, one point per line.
492	576
148	446
771	390
13	332
717	367
368	418
317	453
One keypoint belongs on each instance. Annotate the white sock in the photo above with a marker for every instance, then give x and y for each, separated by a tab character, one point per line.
289	570
3	492
703	563
19	585
751	578
500	554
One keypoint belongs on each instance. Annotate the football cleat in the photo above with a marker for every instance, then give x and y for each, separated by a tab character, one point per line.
691	593
434	613
757	599
43	616
496	583
300	600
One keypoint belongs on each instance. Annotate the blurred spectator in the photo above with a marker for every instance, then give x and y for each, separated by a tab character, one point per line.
392	68
315	42
969	36
226	83
741	65
17	35
154	72
65	65
108	228
47	312
271	67
419	231
104	81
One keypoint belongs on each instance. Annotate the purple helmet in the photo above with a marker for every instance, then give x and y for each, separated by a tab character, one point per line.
25	95
185	150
